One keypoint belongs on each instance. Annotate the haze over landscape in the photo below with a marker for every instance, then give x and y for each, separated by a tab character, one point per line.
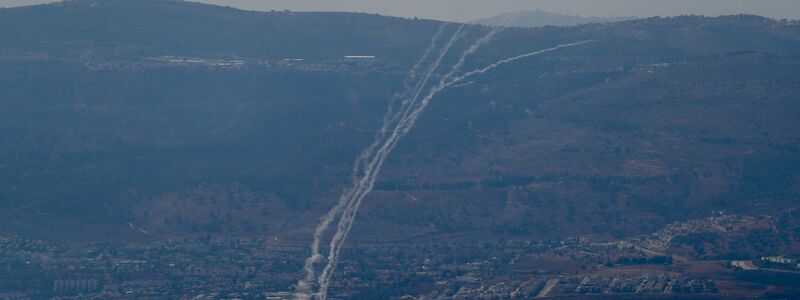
467	10
164	149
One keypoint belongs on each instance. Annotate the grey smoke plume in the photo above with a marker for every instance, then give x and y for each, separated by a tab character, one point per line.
370	162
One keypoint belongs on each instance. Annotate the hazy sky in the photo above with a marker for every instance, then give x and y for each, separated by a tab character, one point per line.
465	10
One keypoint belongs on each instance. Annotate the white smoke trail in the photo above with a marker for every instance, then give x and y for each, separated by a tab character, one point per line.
401	129
408	88
407	103
304	286
412	74
513	59
365	185
371	162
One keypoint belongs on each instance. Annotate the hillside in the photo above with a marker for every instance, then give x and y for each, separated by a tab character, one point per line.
107	127
159	149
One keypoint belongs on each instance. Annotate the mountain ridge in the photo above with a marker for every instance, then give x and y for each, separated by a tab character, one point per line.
162	26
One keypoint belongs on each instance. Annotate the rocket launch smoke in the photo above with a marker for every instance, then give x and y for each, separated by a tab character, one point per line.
403	126
513	59
369	163
363	170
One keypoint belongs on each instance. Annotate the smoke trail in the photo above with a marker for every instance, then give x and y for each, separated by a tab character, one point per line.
371	160
513	59
304	286
407	89
366	183
408	102
412	74
401	129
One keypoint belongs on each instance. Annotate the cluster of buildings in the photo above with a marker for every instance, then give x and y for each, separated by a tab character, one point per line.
292	62
76	286
200	61
781	260
718	223
205	268
661	284
242	269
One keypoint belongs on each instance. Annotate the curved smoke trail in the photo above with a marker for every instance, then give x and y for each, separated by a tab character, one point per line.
371	160
513	59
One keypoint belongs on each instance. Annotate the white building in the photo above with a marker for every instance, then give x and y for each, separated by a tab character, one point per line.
779	260
358	57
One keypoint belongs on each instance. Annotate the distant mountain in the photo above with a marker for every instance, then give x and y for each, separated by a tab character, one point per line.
539	18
